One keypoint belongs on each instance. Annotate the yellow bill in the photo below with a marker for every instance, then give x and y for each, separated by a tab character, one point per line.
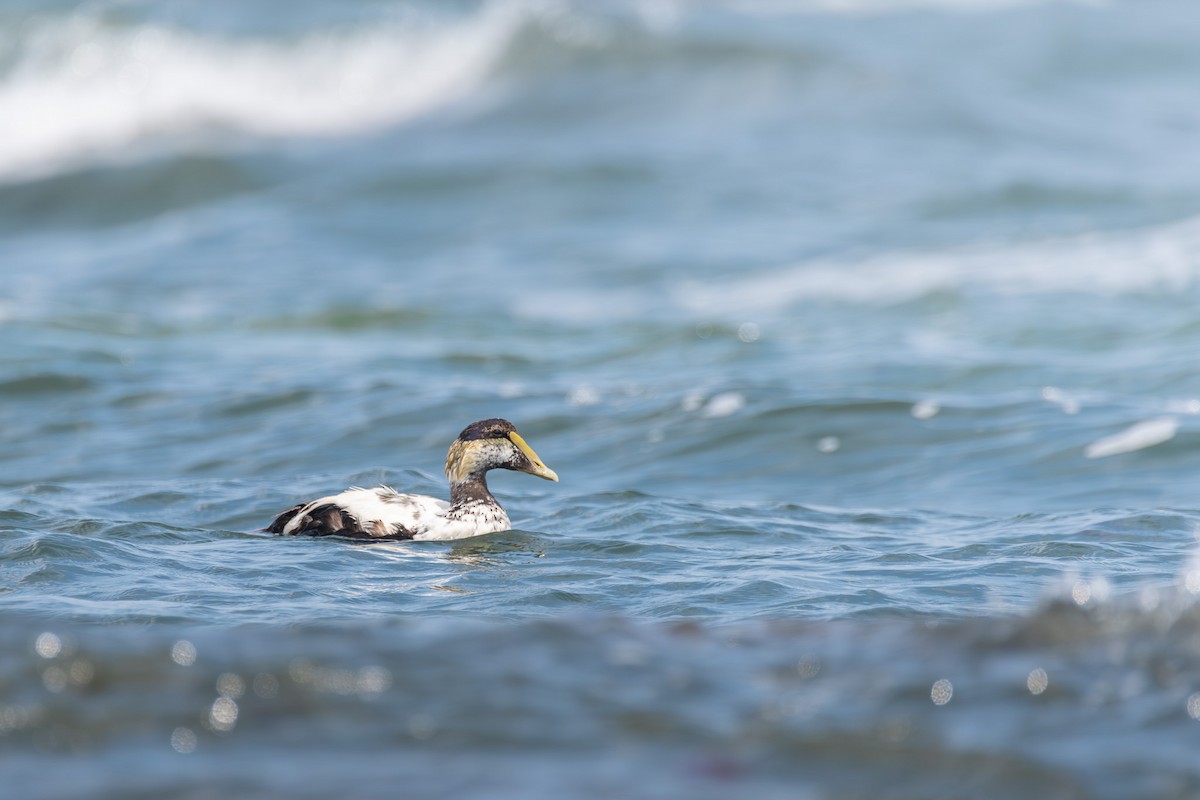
536	467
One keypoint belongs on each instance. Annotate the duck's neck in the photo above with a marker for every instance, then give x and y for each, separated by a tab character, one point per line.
472	490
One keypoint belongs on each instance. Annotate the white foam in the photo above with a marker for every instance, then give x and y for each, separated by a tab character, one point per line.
1137	437
877	7
1069	404
925	409
723	405
1164	258
828	444
81	88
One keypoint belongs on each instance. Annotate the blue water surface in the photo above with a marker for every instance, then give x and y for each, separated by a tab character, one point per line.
862	335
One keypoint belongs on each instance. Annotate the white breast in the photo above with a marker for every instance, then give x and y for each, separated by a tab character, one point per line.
472	519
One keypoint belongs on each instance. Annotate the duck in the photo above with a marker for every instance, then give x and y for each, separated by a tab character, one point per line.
383	513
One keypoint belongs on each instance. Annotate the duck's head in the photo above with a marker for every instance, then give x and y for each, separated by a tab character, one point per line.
492	444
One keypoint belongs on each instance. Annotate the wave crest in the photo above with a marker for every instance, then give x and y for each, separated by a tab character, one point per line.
84	88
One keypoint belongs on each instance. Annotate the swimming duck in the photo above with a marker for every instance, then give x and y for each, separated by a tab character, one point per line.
384	513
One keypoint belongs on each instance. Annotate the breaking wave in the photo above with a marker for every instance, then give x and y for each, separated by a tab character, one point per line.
83	88
90	87
1162	258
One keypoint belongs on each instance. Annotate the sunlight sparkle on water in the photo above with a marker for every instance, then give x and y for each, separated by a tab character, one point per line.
925	409
723	405
1192	581
183	653
183	740
55	679
942	692
223	715
1081	593
81	672
373	680
15	717
828	444
808	667
48	645
1037	681
231	685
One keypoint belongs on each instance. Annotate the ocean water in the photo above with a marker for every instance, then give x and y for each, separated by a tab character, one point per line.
863	335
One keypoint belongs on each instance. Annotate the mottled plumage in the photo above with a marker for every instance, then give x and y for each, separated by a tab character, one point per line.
384	513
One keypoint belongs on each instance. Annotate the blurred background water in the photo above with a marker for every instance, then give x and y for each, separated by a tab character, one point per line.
862	334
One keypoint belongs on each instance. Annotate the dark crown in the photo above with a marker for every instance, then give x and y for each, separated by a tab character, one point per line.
486	429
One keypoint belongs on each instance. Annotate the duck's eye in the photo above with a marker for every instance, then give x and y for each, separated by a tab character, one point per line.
496	433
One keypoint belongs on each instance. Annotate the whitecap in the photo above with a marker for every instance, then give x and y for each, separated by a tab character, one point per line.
723	405
1167	258
1137	437
82	89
